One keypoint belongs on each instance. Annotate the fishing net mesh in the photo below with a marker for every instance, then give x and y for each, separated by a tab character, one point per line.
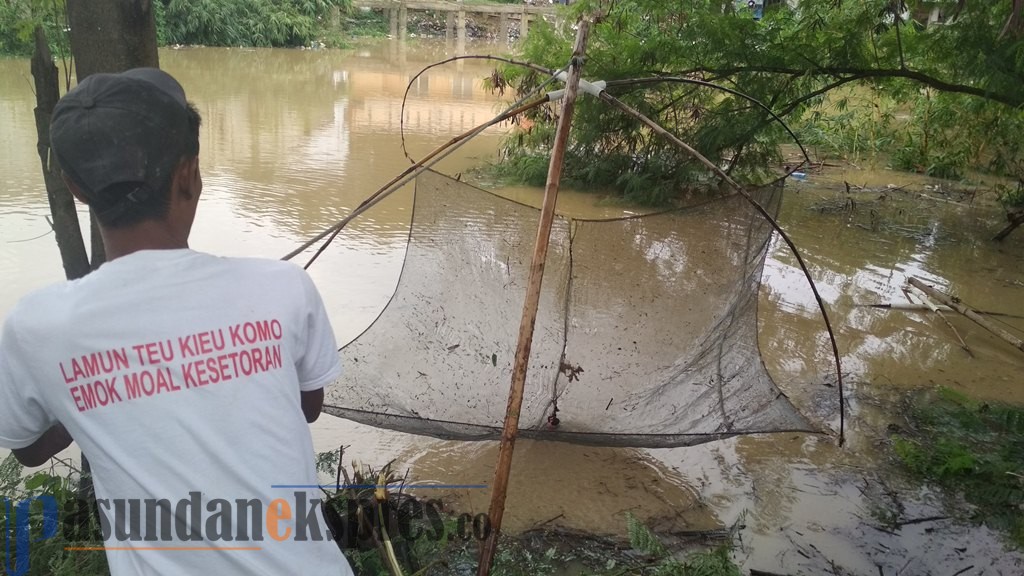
646	334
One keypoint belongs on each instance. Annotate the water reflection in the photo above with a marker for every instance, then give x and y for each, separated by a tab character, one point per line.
300	137
856	265
292	141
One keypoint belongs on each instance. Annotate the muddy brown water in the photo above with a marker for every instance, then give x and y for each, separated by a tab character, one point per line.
293	140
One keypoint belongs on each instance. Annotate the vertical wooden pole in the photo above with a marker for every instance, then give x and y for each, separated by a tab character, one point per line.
403	21
335	18
460	35
524	25
499	488
461	24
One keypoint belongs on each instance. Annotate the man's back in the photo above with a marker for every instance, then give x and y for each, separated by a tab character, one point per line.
179	375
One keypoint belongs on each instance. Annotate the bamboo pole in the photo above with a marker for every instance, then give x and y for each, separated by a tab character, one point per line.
968	312
499	489
929	303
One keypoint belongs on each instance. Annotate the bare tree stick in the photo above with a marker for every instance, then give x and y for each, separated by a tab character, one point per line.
1008	98
499	489
935	308
906	292
960	307
920	521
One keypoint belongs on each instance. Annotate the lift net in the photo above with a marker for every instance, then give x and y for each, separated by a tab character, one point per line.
646	334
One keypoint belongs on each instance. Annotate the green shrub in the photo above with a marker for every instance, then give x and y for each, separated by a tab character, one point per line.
51	557
246	22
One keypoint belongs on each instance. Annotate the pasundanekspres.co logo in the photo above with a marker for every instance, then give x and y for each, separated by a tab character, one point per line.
18	531
240	525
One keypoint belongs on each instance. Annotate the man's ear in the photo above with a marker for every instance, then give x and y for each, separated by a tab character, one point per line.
186	178
75	190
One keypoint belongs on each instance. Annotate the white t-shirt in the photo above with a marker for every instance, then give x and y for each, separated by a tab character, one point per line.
178	374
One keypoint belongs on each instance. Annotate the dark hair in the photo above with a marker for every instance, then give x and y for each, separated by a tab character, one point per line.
155	205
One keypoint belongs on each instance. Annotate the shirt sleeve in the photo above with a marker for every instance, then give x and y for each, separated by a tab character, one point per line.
318	362
23	414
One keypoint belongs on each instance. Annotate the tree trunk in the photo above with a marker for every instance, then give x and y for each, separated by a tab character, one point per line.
62	204
111	36
1016	219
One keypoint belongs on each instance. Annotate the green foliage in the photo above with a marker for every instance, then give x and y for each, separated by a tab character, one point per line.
641	538
1012	196
513	559
197	22
716	562
19	18
50	557
939	99
974	449
857	124
246	22
947	134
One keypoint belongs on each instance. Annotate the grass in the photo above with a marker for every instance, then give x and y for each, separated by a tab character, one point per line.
974	450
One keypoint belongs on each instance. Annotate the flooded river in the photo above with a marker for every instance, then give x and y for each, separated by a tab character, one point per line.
293	140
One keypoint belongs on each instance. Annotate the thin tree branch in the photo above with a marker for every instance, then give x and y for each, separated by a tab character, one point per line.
1014	100
897	19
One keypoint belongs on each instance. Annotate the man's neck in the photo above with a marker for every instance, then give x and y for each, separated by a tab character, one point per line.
148	235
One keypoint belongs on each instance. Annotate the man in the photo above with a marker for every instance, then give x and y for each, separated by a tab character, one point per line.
186	379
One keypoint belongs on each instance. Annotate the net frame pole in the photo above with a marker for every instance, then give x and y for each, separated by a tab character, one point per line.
499	488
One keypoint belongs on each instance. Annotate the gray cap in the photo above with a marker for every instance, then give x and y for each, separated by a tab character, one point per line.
127	128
